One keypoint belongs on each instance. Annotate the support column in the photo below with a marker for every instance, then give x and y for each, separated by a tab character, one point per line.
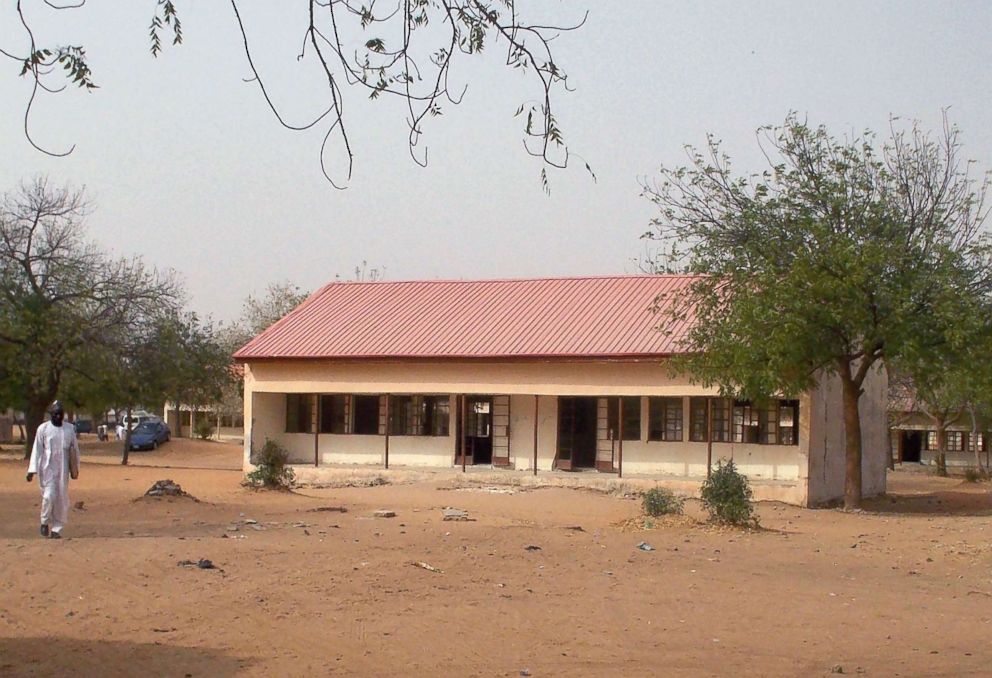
315	422
709	435
620	434
461	442
386	451
537	400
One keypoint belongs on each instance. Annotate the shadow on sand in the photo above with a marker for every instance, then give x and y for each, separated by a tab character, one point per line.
969	500
49	656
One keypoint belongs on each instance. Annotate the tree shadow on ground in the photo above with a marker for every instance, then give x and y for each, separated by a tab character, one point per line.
969	500
54	656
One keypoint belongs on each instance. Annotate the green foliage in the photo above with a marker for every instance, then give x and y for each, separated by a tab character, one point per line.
726	494
71	58
168	17
660	501
73	321
204	428
342	41
271	470
843	254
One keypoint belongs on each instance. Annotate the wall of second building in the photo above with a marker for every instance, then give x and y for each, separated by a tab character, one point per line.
921	423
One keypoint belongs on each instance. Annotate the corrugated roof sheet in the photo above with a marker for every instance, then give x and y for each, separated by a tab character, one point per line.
593	317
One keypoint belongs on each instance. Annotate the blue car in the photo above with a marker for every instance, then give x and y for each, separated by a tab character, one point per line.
148	435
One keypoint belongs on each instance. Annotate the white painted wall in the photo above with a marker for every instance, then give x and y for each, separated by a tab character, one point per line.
522	432
819	457
265	418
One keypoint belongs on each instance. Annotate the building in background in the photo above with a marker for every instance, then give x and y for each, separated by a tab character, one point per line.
550	375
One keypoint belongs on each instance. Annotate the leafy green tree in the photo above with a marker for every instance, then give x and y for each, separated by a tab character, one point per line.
953	380
838	257
62	300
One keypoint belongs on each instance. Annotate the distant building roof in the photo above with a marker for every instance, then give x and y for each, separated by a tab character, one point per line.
608	317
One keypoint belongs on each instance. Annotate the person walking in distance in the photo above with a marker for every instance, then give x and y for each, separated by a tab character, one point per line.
54	458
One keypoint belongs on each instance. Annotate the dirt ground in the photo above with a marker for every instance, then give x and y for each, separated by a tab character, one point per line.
541	582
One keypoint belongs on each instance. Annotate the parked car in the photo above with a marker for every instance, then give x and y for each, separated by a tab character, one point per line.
83	425
137	417
148	435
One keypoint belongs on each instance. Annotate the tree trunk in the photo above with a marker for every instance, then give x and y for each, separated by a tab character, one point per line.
973	441
179	422
127	437
852	439
941	458
34	416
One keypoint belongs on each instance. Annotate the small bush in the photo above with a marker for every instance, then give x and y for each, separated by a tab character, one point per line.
727	496
270	468
660	501
204	428
973	475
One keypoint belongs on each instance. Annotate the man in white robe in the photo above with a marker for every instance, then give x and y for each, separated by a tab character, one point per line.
54	458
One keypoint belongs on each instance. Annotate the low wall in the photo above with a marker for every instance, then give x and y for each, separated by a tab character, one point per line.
780	491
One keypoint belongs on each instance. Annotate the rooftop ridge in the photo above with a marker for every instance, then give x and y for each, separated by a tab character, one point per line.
605	276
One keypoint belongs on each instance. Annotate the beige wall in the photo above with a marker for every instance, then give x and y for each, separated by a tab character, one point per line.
827	439
875	432
819	457
546	378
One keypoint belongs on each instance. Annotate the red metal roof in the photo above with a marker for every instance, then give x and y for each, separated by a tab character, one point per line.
593	317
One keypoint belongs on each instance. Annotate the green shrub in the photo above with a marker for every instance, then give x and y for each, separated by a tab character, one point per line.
270	468
973	475
727	496
660	501
204	428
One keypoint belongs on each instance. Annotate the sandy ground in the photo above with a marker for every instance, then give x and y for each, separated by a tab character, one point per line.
904	589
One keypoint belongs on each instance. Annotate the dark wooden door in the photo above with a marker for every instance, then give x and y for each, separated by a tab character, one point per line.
576	433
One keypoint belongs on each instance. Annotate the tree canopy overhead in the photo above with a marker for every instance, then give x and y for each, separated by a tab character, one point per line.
841	255
401	48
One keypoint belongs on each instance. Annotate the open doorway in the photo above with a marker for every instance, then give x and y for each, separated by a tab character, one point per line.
576	433
477	437
912	444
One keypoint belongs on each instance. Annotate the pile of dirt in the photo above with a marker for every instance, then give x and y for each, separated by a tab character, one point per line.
167	488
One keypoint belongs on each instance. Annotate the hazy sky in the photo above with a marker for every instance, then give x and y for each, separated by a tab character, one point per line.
188	168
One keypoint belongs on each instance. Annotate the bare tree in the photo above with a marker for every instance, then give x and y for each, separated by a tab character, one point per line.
400	48
62	300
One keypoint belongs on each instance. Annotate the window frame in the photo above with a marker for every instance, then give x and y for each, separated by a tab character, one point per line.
666	419
631	418
299	413
958	445
754	425
698	429
339	421
358	415
722	419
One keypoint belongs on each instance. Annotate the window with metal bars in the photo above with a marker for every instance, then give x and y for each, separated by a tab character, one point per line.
631	417
334	413
416	415
773	424
299	413
665	419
